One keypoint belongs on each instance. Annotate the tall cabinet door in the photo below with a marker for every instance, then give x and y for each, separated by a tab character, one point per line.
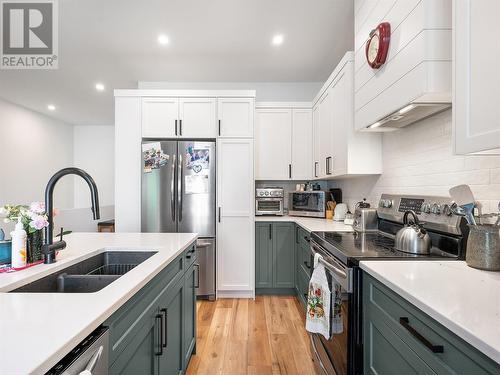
263	255
325	134
160	117
316	141
236	117
302	143
476	113
235	224
342	112
197	117
273	139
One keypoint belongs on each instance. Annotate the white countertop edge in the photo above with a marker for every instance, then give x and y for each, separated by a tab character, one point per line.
460	331
65	347
309	224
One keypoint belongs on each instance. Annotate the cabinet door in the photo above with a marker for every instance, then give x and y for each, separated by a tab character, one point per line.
197	117
171	307
191	279
236	117
325	134
141	355
316	142
283	255
160	117
263	255
235	224
342	120
476	113
273	144
302	143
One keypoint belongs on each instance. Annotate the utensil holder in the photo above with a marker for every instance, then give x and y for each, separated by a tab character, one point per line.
483	247
329	214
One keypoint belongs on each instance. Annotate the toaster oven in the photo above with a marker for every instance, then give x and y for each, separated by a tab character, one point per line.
269	201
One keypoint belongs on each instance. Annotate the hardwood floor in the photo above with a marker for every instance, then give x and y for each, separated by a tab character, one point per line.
243	336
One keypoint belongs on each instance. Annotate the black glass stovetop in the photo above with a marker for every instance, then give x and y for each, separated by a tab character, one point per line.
351	247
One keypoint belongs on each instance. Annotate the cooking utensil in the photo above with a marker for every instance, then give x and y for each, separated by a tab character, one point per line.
483	247
463	197
412	238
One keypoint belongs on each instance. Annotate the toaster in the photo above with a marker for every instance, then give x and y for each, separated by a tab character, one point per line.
365	220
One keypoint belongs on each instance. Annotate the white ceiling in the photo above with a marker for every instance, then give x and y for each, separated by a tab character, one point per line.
115	42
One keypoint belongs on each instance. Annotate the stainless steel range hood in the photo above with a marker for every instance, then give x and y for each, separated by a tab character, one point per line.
412	112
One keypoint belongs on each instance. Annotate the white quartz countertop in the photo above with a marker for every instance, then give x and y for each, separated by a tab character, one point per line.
38	329
463	299
310	224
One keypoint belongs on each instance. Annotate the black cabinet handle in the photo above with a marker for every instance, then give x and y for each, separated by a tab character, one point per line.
289	171
307	239
315	169
175	127
306	263
164	333
180	127
219	214
328	165
160	333
270	231
219	127
190	252
405	322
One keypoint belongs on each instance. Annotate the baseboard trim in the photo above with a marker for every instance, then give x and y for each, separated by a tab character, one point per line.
236	294
276	291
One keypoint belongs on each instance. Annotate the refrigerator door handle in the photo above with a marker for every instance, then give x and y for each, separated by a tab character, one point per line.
172	186
180	185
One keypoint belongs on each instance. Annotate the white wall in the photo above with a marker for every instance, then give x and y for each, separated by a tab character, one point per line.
32	148
266	91
94	152
418	159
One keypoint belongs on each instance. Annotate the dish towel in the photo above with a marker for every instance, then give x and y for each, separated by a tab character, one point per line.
318	301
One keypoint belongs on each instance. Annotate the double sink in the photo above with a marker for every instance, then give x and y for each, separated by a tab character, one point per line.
89	275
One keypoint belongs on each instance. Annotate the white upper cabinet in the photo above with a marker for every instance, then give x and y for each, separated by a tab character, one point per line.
340	151
160	117
197	117
476	109
273	144
283	141
301	144
236	117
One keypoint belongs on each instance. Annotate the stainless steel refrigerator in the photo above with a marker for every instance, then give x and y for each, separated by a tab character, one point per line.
178	195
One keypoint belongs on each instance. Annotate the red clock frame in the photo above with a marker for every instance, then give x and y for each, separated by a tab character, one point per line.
384	34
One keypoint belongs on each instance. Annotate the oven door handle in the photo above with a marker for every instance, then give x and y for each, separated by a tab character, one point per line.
336	269
313	345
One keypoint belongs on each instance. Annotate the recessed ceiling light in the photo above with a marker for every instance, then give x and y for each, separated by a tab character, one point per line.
51	107
163	39
99	86
278	39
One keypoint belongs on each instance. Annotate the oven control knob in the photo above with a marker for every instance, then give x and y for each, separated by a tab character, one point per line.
426	208
388	203
436	209
261	193
267	193
381	203
447	210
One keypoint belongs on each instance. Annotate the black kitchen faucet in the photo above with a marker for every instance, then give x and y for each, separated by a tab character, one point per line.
49	248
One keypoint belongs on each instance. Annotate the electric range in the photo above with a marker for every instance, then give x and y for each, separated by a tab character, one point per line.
342	251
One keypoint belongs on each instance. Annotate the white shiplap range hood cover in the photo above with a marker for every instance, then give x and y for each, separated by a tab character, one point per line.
415	81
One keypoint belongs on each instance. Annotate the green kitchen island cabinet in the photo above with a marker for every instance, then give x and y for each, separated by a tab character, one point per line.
399	338
274	258
155	331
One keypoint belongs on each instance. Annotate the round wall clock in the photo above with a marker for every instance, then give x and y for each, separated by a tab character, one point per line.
377	45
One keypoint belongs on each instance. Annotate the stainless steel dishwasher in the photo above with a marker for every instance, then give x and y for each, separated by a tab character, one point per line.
90	357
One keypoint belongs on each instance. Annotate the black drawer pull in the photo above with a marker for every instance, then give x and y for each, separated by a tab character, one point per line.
306	263
164	334
189	253
405	322
160	334
307	239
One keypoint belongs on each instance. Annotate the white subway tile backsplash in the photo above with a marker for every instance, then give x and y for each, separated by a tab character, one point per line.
419	159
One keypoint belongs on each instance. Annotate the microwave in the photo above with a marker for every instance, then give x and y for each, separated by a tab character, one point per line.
307	203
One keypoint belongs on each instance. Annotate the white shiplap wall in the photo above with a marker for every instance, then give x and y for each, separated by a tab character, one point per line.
418	159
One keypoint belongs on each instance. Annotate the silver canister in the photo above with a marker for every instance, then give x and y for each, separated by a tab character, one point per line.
483	247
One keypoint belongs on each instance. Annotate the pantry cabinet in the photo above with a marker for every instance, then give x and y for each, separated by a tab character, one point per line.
235	217
236	117
283	141
340	151
398	338
476	113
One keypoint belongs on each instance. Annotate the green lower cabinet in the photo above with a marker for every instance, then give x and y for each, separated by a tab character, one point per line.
274	258
155	331
398	338
303	267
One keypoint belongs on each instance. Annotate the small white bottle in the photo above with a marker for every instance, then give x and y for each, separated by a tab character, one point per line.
18	236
